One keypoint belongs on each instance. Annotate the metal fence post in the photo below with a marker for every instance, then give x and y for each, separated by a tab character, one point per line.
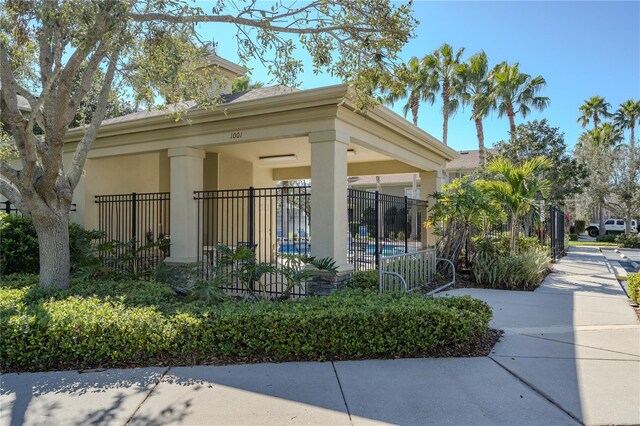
134	214
251	219
406	224
377	228
7	207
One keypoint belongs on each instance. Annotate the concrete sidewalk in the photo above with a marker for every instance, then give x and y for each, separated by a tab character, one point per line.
571	354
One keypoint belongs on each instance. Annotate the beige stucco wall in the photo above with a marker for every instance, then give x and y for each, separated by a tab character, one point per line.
118	175
234	173
210	173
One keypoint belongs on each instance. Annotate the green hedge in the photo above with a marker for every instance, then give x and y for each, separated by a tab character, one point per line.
45	330
629	240
633	286
607	238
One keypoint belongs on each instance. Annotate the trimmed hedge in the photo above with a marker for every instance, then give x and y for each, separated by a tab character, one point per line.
633	285
629	240
46	330
607	238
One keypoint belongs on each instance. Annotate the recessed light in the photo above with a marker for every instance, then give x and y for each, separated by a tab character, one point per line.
275	158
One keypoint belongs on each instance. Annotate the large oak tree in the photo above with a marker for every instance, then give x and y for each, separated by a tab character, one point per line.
153	49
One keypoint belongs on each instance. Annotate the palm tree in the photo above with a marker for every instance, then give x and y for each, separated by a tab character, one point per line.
593	108
599	142
477	90
516	92
244	83
517	187
626	117
443	63
416	84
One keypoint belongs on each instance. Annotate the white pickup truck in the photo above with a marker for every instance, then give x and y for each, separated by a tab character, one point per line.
611	226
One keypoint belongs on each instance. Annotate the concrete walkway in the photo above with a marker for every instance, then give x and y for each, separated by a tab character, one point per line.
571	354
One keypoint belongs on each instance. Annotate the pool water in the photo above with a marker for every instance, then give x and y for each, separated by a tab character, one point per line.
295	248
387	250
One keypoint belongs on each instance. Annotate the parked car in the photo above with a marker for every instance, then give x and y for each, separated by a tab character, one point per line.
612	226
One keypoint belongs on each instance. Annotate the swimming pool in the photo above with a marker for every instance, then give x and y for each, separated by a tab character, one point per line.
295	248
387	249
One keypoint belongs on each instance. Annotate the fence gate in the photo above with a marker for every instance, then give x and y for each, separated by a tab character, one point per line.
382	225
135	220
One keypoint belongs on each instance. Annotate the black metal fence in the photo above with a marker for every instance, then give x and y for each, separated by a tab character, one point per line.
273	222
135	221
556	232
9	208
549	230
381	224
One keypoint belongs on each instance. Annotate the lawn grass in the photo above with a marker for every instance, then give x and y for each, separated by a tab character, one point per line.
591	244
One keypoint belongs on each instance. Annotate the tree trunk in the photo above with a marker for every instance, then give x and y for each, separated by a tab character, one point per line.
415	106
514	233
512	122
601	226
445	126
480	134
52	227
445	111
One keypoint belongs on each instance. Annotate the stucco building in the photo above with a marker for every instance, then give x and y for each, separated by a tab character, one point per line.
252	140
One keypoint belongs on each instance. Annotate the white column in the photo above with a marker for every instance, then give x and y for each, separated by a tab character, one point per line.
329	196
430	182
186	177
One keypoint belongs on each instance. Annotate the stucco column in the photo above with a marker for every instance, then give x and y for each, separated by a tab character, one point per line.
430	182
329	196
186	176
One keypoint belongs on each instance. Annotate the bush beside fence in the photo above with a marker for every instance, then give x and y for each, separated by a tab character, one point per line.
128	326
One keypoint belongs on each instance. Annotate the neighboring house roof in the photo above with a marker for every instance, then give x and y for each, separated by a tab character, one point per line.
468	160
263	92
23	104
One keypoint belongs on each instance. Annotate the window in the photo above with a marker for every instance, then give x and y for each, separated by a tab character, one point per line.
620	222
609	222
409	193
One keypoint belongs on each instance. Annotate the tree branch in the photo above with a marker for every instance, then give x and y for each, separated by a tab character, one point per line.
13	195
264	24
9	172
11	115
85	83
80	155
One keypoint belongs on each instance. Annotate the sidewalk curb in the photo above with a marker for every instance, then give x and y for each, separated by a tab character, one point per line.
636	265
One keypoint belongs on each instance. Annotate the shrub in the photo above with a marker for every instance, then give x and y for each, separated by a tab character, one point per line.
18	246
607	238
364	280
499	245
573	237
580	226
633	287
630	240
69	330
524	271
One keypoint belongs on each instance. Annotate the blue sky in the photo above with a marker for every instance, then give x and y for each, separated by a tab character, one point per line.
582	48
